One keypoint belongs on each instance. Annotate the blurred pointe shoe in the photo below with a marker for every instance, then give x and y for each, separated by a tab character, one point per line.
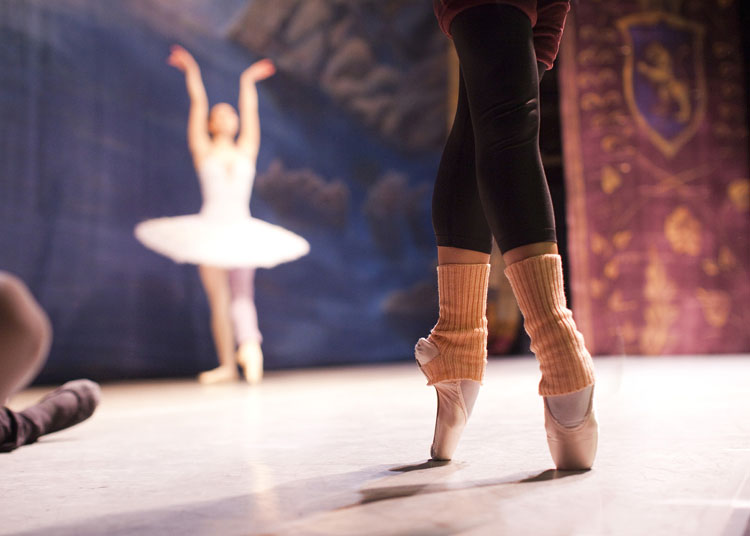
222	374
572	448
455	400
68	405
250	357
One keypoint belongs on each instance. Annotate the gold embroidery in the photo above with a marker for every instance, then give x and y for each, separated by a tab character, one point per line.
617	119
591	100
611	180
683	231
617	304
607	35
594	56
611	269
622	239
597	288
731	91
727	260
710	267
629	333
723	130
668	5
602	76
599	244
611	143
660	314
727	69
739	194
716	305
723	49
729	110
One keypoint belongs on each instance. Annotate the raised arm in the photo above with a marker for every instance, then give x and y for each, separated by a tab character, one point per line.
249	139
199	139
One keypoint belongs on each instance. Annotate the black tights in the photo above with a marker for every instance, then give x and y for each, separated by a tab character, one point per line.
20	428
491	181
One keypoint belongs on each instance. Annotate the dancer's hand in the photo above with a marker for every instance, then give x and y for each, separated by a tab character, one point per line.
182	59
260	70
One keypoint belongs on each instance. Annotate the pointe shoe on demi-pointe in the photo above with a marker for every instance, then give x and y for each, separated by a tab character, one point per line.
222	374
455	401
250	357
572	448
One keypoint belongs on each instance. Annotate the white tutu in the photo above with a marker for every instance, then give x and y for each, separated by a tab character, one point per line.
197	239
223	234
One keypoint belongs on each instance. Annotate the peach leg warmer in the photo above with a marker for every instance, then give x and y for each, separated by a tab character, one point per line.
461	331
563	359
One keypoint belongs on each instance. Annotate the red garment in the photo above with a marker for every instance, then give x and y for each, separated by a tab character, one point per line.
547	19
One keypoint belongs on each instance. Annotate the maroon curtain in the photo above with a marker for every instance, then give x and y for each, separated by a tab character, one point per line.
656	162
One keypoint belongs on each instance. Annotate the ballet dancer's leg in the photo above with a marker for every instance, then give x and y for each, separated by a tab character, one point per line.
464	244
453	356
25	336
498	63
216	283
245	320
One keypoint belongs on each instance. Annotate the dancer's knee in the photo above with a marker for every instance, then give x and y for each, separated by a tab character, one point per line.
23	322
507	125
25	334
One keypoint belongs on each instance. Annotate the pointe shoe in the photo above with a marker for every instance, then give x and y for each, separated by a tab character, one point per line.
222	374
572	448
455	401
250	357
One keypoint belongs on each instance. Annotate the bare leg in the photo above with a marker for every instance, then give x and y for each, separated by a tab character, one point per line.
25	336
529	250
216	283
245	318
449	255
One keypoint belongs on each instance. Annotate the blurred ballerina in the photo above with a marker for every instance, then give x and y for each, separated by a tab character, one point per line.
224	240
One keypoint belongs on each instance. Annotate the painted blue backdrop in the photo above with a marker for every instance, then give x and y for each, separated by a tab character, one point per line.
93	141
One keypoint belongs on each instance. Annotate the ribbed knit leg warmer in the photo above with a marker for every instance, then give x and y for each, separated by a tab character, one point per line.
563	359
460	335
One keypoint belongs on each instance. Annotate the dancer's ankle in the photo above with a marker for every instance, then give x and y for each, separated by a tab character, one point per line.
571	409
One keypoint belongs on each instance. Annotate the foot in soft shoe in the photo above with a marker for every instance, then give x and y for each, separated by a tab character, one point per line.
573	448
250	358
222	374
68	405
455	401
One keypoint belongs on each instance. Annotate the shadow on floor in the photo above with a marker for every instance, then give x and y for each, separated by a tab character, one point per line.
394	487
275	509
